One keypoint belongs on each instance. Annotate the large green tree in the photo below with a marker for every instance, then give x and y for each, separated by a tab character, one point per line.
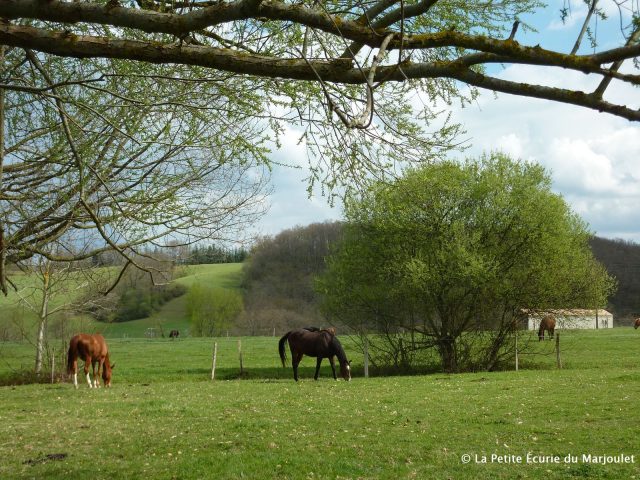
446	257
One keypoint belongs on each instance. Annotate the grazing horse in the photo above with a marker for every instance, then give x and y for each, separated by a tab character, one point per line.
548	323
174	334
636	323
315	343
93	350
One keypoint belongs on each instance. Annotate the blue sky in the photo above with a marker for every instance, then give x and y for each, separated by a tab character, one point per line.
593	158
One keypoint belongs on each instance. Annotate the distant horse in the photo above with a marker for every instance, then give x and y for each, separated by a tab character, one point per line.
548	323
174	334
93	350
315	343
636	323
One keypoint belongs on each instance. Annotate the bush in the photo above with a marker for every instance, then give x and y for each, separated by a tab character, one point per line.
212	310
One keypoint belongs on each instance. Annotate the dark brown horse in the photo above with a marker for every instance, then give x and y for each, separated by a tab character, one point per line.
314	343
93	350
548	323
636	324
174	334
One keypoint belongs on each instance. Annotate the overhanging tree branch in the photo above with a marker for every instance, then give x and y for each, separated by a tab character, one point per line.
339	71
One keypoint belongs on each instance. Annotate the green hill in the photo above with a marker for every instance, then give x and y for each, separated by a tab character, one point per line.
172	315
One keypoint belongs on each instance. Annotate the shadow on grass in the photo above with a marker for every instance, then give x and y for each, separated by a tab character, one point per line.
29	377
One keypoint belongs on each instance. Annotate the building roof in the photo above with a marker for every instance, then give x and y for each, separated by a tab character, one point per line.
568	312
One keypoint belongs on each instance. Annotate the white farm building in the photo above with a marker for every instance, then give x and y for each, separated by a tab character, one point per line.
571	318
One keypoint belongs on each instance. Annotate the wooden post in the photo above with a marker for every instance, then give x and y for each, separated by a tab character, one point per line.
215	355
366	357
240	354
53	367
558	360
516	350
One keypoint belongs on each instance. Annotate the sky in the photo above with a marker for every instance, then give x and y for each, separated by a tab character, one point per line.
593	158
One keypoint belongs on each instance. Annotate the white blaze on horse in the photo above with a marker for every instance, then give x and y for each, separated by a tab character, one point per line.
93	350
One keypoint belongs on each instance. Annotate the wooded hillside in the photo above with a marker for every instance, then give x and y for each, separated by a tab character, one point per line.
622	259
279	277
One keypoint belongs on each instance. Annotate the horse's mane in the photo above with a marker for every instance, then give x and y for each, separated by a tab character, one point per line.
337	346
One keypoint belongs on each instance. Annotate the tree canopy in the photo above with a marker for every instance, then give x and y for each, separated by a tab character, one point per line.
453	248
138	122
429	41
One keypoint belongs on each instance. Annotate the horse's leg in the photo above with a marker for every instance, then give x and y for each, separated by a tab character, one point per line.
87	362
96	377
333	367
295	360
318	362
75	372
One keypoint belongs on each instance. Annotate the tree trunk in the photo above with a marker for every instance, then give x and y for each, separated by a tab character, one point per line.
448	354
42	323
3	250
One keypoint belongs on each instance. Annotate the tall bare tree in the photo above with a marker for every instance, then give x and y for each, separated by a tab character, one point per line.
122	162
55	288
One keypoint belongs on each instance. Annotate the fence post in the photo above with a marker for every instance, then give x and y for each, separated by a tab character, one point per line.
53	366
516	350
366	357
215	354
240	354
558	360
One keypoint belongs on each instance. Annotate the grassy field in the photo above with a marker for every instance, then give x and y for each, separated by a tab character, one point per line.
164	418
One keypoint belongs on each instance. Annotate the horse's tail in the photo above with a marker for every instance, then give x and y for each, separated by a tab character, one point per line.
281	348
70	359
541	330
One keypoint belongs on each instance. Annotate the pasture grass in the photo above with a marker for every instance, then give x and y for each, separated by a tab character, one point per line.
164	418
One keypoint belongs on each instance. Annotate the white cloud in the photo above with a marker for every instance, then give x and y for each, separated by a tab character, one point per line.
290	204
576	167
593	158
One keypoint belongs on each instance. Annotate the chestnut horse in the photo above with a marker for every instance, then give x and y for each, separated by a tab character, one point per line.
315	343
548	323
93	350
636	324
